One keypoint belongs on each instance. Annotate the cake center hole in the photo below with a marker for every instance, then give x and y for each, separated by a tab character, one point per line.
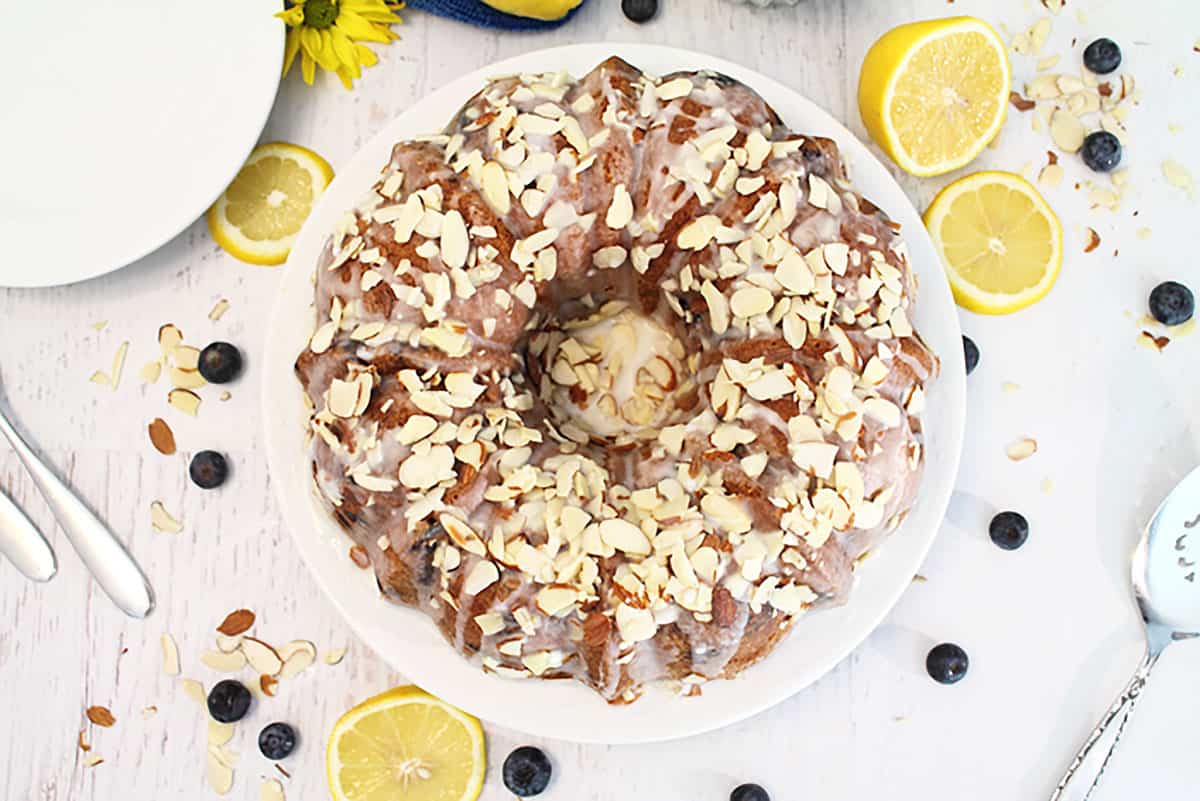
614	374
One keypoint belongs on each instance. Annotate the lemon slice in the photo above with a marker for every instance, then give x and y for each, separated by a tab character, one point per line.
535	9
933	94
1000	241
258	216
405	744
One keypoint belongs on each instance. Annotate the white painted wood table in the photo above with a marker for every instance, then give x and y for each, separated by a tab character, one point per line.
1050	628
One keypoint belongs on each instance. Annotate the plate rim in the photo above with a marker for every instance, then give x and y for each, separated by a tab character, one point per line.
126	257
934	499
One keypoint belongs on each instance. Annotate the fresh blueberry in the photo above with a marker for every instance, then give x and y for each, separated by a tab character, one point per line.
1009	530
527	771
208	469
970	354
228	701
277	740
1172	303
946	663
1101	151
220	363
1102	56
639	10
749	792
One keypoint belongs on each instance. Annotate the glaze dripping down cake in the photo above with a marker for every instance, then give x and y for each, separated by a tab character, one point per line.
615	378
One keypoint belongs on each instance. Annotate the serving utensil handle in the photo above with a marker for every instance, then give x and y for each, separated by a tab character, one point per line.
1118	714
23	544
110	564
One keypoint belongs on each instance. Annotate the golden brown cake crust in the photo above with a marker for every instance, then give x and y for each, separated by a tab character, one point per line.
615	378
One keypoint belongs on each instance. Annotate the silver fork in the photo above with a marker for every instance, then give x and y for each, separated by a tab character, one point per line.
102	553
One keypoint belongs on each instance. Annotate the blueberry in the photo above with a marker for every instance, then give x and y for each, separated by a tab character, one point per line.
970	354
277	740
228	701
1009	530
639	10
1102	56
1172	303
527	771
220	363
749	792
1101	151
208	469
946	663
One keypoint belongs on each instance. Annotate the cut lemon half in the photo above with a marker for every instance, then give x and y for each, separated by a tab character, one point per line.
405	744
933	94
1000	241
257	217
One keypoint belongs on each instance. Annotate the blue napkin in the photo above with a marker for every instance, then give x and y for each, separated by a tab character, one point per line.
476	13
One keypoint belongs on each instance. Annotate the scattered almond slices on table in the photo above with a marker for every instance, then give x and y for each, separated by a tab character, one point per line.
101	716
112	379
236	622
1022	449
161	436
162	520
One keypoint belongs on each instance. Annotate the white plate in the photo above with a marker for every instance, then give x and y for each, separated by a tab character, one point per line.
566	709
122	123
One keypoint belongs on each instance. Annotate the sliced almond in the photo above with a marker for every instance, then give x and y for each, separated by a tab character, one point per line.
101	716
262	657
184	400
1092	240
161	436
220	776
170	655
162	520
219	733
218	310
150	372
298	662
268	684
118	364
228	644
195	690
334	656
224	661
271	790
169	337
92	761
1022	449
149	712
236	622
185	379
1067	131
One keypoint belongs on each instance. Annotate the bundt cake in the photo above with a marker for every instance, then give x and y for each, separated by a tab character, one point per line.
615	378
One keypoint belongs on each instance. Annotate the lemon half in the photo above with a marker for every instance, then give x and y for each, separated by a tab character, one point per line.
933	94
258	216
1000	241
405	744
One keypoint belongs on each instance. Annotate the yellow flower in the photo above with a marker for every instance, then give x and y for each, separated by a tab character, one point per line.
328	32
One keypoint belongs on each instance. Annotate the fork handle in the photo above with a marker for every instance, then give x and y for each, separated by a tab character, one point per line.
101	552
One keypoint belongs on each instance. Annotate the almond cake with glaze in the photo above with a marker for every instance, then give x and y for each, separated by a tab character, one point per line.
615	378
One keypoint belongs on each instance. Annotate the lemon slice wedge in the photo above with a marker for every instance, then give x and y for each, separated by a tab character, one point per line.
405	744
933	94
1000	241
258	216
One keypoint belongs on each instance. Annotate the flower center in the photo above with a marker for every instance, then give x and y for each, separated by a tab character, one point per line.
320	13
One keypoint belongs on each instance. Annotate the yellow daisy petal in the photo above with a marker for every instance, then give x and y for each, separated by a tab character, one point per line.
344	74
292	16
308	67
366	56
343	48
326	57
290	49
356	27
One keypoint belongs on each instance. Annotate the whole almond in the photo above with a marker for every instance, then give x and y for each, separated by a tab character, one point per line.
162	437
724	608
236	622
100	716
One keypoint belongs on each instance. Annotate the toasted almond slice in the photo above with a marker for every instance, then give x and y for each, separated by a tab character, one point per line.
288	649
228	644
149	712
262	657
271	790
223	661
220	776
236	622
219	733
150	372
101	716
334	656
162	520
84	745
219	310
170	655
169	337
195	690
100	378
268	684
92	761
1022	449
298	662
184	400
118	364
161	436
185	379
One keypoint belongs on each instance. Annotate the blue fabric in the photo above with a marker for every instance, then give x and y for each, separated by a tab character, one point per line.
476	13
